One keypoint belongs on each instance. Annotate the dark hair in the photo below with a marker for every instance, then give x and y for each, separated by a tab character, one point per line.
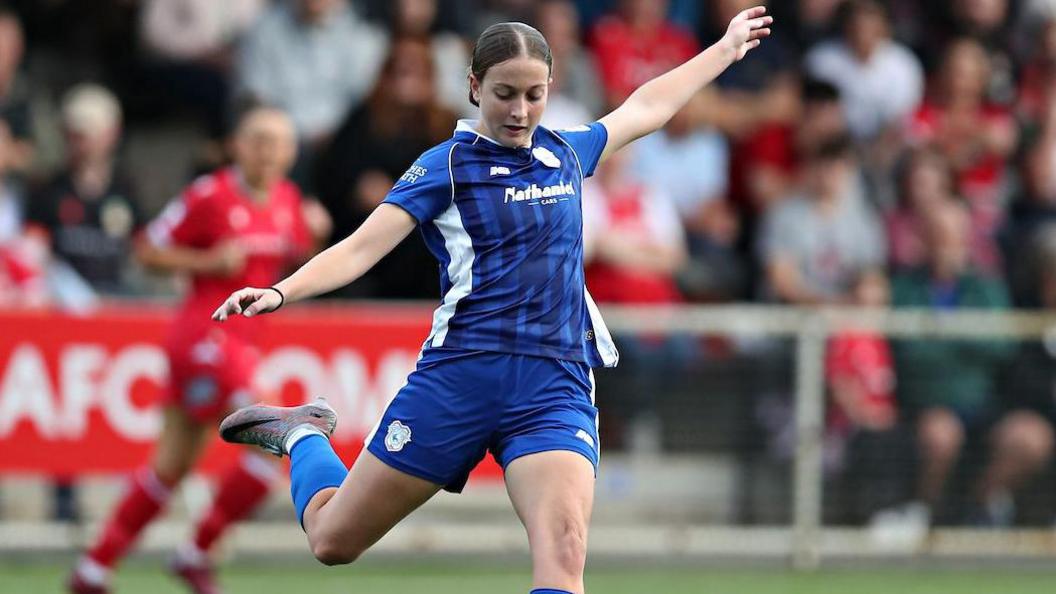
851	10
503	41
832	149
816	90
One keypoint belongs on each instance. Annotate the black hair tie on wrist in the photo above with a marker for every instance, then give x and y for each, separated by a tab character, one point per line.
282	298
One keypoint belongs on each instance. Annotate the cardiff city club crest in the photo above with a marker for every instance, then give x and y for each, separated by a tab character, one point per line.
397	437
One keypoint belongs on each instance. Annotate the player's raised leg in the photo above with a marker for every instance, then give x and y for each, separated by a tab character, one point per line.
342	511
342	523
179	446
553	494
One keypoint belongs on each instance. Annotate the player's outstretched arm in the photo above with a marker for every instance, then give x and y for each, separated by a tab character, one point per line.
657	101
334	267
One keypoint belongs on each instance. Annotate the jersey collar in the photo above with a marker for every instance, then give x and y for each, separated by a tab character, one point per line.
470	127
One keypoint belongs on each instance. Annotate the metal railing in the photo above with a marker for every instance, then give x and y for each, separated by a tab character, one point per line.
811	328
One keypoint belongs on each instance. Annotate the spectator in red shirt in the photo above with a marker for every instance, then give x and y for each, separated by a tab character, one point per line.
637	43
864	446
633	247
634	243
237	226
974	134
768	162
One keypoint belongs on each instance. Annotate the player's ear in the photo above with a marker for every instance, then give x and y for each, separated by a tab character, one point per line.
474	89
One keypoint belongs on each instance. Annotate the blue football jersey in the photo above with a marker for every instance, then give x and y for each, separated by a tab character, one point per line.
506	225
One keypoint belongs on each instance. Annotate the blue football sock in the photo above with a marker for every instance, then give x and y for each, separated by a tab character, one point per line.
549	591
313	467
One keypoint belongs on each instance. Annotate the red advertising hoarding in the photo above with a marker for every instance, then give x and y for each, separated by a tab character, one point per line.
78	394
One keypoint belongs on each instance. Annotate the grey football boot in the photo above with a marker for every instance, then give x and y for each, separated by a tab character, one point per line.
268	426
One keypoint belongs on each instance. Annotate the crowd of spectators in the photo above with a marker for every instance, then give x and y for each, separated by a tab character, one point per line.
870	152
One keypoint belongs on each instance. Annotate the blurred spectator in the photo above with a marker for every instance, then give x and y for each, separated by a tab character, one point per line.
770	159
634	243
315	59
755	102
863	442
15	103
1037	85
988	22
190	52
88	210
760	89
975	135
22	260
1024	441
401	119
633	248
576	95
691	166
927	182
815	246
1032	213
881	81
417	19
946	387
635	44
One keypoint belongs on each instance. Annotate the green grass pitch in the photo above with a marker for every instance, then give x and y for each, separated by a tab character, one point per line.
473	578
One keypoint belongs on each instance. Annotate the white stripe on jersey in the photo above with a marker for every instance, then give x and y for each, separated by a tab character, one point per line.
459	247
159	231
602	339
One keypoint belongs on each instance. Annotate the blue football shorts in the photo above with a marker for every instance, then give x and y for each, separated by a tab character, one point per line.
459	404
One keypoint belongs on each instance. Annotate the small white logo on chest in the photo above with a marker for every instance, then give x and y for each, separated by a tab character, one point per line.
546	157
500	171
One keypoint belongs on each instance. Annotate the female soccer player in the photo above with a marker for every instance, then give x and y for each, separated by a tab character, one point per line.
240	225
507	365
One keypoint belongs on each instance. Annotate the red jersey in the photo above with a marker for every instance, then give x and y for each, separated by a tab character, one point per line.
979	182
213	210
628	59
640	217
864	358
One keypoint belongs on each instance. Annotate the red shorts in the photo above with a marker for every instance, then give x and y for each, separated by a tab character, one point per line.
210	375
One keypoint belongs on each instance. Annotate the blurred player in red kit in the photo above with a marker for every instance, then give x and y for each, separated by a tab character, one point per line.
239	226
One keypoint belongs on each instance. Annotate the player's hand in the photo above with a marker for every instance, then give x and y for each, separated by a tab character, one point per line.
746	31
227	259
317	219
248	302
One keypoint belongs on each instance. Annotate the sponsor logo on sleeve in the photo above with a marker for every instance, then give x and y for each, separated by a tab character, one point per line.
413	174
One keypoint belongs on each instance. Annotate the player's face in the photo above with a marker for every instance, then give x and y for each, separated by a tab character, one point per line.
265	147
512	99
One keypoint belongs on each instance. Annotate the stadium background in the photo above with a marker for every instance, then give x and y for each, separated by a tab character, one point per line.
755	421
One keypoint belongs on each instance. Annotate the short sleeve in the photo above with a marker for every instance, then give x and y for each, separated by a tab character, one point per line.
427	188
184	220
588	142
